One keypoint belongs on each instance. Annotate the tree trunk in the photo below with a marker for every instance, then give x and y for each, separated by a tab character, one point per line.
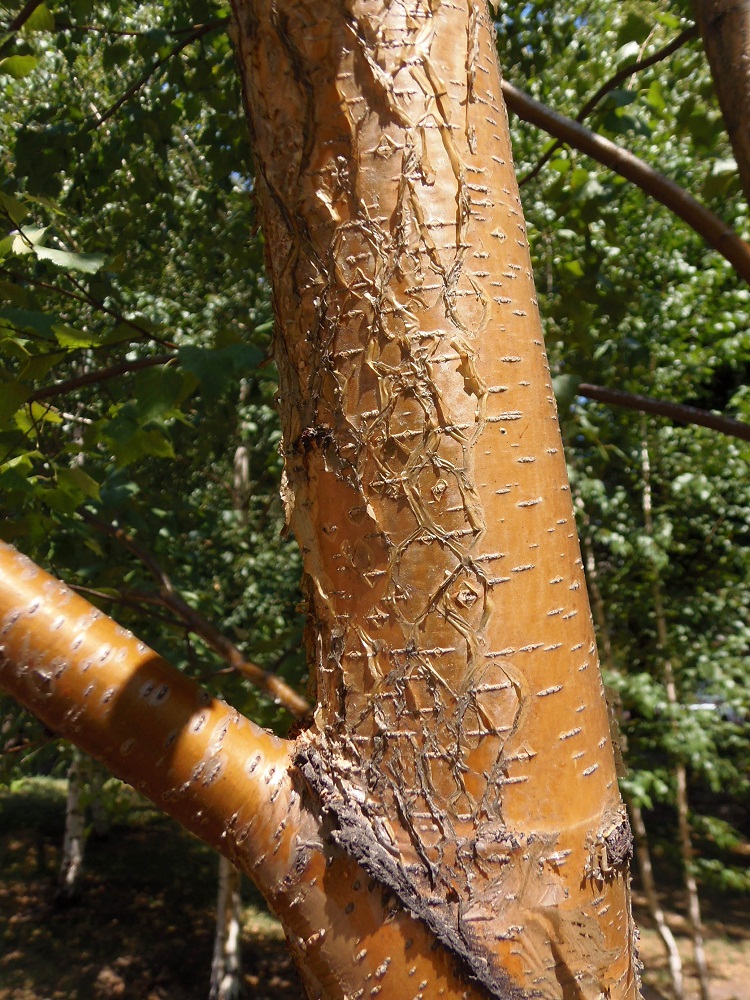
100	818
640	835
451	823
685	839
226	965
646	870
725	29
74	840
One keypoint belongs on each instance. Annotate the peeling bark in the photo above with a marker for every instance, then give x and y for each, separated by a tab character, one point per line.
425	482
450	826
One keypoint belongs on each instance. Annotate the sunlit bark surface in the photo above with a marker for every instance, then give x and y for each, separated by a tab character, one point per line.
461	744
450	826
225	779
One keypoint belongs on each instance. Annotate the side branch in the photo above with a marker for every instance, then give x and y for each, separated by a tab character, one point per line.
15	25
90	681
197	32
225	779
674	411
713	229
98	375
615	80
269	683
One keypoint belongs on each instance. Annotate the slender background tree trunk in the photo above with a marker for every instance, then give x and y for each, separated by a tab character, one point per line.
226	965
74	841
725	29
680	771
640	834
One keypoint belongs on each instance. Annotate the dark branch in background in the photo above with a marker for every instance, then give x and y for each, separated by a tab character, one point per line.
96	304
131	599
276	688
619	77
674	411
713	229
88	299
102	375
198	31
120	33
17	23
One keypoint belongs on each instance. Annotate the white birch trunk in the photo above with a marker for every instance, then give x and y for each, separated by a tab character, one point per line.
99	815
226	965
68	886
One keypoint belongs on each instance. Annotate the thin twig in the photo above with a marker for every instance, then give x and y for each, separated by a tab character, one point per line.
273	686
101	375
18	22
121	33
635	67
96	304
88	299
674	411
131	599
714	230
198	32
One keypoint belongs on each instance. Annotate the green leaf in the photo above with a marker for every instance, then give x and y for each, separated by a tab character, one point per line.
130	441
40	365
68	336
75	480
215	369
88	263
156	390
574	267
621	98
41	19
27	240
121	333
18	66
61	501
655	96
14	294
13	208
560	164
36	413
40	323
12	396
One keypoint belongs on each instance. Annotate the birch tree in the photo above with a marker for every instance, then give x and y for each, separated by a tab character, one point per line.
450	824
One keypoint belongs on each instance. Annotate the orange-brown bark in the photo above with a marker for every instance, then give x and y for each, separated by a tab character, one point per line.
221	776
450	826
457	680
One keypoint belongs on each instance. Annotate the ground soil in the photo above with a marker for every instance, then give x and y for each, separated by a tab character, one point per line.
142	928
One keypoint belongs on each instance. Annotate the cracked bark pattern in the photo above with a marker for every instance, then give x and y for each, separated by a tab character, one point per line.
461	733
225	779
450	826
